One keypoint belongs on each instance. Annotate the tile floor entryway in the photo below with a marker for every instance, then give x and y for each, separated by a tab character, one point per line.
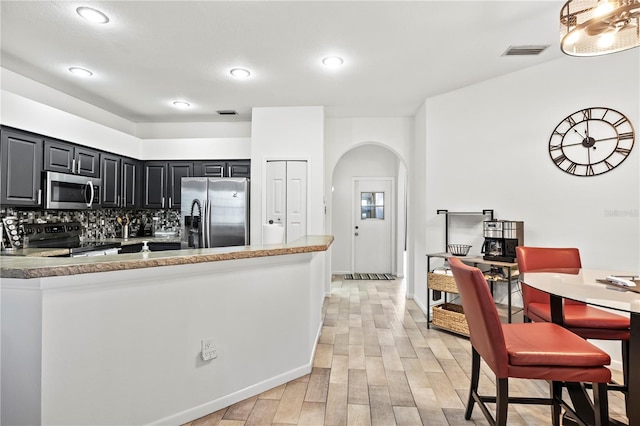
377	364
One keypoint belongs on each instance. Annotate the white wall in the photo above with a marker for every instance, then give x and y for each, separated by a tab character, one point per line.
289	133
417	213
344	134
32	106
33	116
362	161
123	347
486	147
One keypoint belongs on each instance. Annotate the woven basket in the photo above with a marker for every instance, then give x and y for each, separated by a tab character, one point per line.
442	282
451	317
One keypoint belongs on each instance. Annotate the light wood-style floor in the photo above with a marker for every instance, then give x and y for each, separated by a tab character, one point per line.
377	364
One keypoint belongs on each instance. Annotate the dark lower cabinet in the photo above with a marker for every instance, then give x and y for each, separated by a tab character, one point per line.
21	174
153	246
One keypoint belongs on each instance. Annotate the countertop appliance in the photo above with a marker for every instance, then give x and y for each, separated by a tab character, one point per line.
67	191
501	237
214	212
66	235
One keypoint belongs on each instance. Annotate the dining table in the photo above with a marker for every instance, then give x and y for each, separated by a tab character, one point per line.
591	286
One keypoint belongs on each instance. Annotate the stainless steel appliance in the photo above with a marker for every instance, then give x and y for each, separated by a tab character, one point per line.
501	237
73	192
66	235
215	212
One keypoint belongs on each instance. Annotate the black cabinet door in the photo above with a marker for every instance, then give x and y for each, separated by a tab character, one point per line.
58	156
87	162
110	172
20	180
131	183
65	157
155	178
239	168
212	168
177	170
219	168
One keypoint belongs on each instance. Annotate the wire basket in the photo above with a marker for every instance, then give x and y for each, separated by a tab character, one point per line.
458	249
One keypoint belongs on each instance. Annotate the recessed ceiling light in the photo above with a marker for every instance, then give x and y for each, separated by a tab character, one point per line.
332	61
181	104
80	72
240	73
92	15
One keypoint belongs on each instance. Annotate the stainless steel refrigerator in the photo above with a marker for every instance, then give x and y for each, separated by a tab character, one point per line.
215	212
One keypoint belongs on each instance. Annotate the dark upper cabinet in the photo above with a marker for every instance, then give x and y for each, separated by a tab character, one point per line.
176	171
110	172
210	168
121	181
239	168
230	168
20	177
155	184
131	195
65	157
162	183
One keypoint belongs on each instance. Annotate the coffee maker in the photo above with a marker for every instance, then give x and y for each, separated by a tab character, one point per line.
501	237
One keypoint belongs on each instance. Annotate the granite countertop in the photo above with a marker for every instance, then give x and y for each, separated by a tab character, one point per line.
39	267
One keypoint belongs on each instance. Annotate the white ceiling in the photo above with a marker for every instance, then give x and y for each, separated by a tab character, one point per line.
397	53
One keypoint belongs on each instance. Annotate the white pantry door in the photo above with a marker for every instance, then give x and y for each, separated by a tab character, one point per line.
372	219
287	197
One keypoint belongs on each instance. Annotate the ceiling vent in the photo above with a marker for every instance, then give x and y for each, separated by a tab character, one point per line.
227	112
532	50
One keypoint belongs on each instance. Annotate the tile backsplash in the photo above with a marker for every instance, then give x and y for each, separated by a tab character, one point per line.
101	223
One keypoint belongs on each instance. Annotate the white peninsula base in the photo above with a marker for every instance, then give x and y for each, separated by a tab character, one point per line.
124	347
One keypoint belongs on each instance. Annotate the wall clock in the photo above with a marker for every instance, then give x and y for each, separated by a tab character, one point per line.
591	141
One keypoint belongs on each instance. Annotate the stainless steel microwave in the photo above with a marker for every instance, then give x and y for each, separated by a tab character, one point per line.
73	192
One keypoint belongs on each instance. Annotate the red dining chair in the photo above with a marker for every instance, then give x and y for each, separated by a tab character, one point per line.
586	321
544	351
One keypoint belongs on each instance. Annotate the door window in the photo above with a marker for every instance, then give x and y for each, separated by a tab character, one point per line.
372	205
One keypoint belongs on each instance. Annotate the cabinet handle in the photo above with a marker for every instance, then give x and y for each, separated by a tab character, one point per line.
229	171
118	202
163	202
73	165
170	202
39	196
79	166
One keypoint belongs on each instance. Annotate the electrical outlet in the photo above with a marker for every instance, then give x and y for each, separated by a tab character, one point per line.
209	350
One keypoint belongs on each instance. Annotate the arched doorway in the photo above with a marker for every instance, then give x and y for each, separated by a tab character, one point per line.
374	166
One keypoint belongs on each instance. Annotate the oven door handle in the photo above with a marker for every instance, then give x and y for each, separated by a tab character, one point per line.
90	202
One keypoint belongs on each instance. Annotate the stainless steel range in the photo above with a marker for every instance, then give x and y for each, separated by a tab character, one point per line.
66	235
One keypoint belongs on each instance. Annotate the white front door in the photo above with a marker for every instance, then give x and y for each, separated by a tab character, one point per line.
372	225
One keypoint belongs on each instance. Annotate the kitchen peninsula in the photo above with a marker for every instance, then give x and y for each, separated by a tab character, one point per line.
118	339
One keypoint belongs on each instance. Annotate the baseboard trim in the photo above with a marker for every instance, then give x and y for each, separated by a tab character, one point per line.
420	305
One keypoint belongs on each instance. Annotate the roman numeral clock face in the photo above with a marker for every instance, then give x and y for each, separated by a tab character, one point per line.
591	141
